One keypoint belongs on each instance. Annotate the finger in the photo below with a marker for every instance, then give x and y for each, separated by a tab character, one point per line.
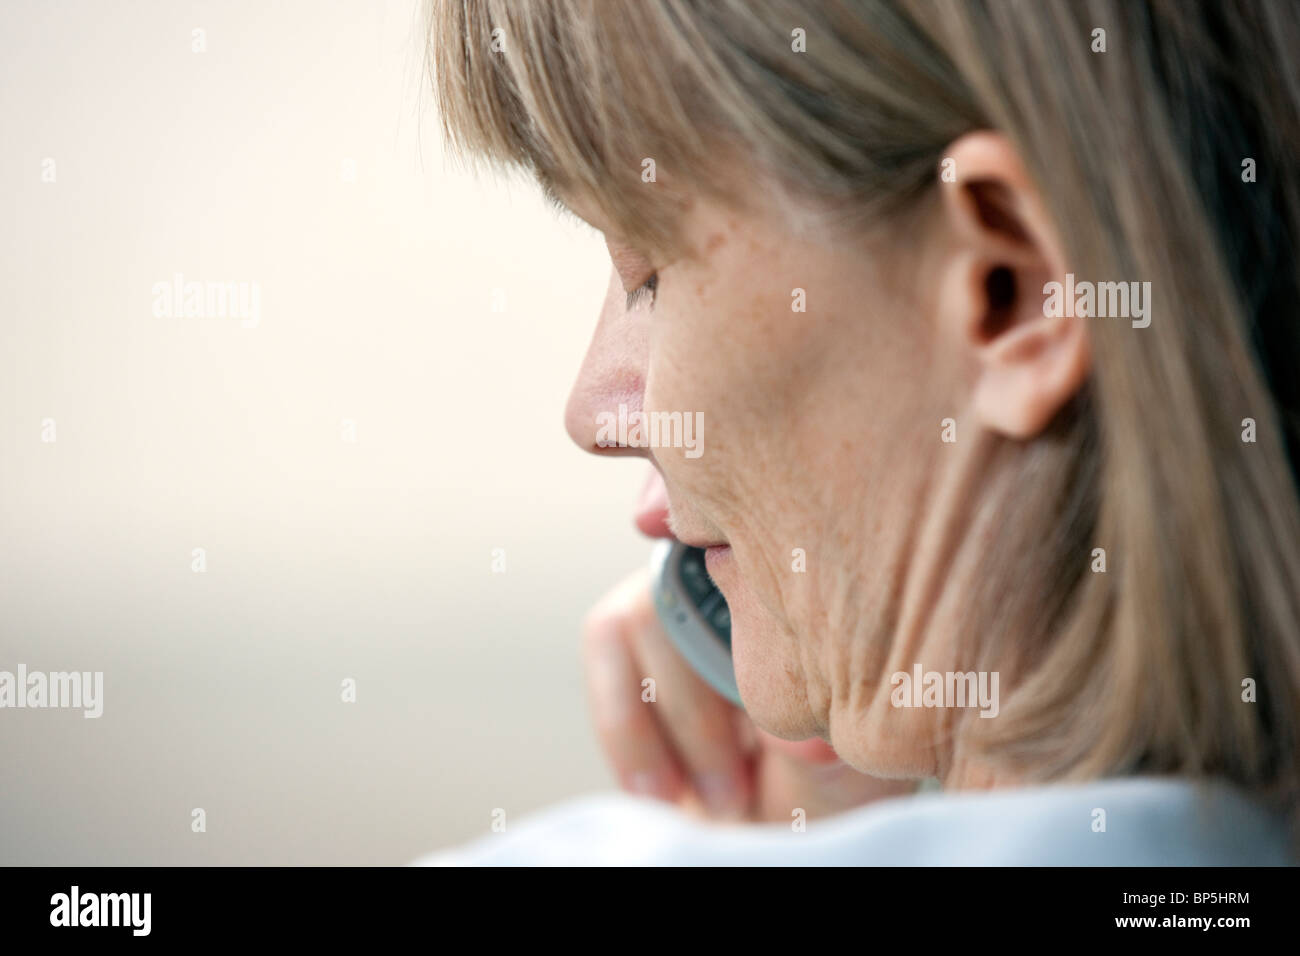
699	721
639	750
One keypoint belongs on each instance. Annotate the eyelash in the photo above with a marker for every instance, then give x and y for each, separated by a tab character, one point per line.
647	289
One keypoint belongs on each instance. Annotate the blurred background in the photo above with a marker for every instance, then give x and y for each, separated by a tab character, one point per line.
347	460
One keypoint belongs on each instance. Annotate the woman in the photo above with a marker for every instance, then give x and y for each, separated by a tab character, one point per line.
988	312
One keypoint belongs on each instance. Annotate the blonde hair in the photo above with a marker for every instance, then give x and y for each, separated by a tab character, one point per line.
1139	152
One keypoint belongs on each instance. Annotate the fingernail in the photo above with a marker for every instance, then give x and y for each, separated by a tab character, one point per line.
720	793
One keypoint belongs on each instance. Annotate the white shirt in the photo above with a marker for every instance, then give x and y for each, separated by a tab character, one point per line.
1132	821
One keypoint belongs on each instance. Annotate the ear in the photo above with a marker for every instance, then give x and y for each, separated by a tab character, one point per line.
1004	248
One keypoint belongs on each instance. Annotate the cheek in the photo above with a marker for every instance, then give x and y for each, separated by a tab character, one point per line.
693	371
719	347
771	683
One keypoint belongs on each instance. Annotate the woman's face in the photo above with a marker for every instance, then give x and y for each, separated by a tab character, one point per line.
810	362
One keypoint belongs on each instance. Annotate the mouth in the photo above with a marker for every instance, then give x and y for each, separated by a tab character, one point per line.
651	509
653	519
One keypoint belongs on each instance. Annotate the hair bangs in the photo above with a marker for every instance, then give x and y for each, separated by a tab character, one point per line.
568	91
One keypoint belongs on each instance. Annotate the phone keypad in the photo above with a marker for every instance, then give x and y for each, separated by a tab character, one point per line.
704	594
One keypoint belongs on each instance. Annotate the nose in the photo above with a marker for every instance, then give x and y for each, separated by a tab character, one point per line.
611	383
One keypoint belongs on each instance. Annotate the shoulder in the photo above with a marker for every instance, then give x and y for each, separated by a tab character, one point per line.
1123	822
601	830
1137	821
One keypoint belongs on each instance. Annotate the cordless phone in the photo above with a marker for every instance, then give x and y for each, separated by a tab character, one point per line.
695	614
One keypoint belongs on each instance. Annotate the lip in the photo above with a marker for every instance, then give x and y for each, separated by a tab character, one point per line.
651	509
715	554
650	513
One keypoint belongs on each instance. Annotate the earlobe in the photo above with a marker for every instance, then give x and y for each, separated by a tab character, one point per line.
1003	250
1030	374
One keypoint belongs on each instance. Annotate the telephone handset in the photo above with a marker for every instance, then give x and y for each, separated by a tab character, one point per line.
695	614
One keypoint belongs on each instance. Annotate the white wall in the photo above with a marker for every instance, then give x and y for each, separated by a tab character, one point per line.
325	560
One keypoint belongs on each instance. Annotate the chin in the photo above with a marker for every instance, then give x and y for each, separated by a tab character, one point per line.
769	677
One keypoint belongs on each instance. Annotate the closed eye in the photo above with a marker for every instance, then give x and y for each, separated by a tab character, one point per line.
646	290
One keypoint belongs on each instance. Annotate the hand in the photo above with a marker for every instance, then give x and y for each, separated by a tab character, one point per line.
690	746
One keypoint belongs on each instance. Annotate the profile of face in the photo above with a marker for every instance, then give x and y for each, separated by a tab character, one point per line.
830	371
908	463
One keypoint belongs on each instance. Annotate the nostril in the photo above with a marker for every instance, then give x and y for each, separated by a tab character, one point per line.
598	415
